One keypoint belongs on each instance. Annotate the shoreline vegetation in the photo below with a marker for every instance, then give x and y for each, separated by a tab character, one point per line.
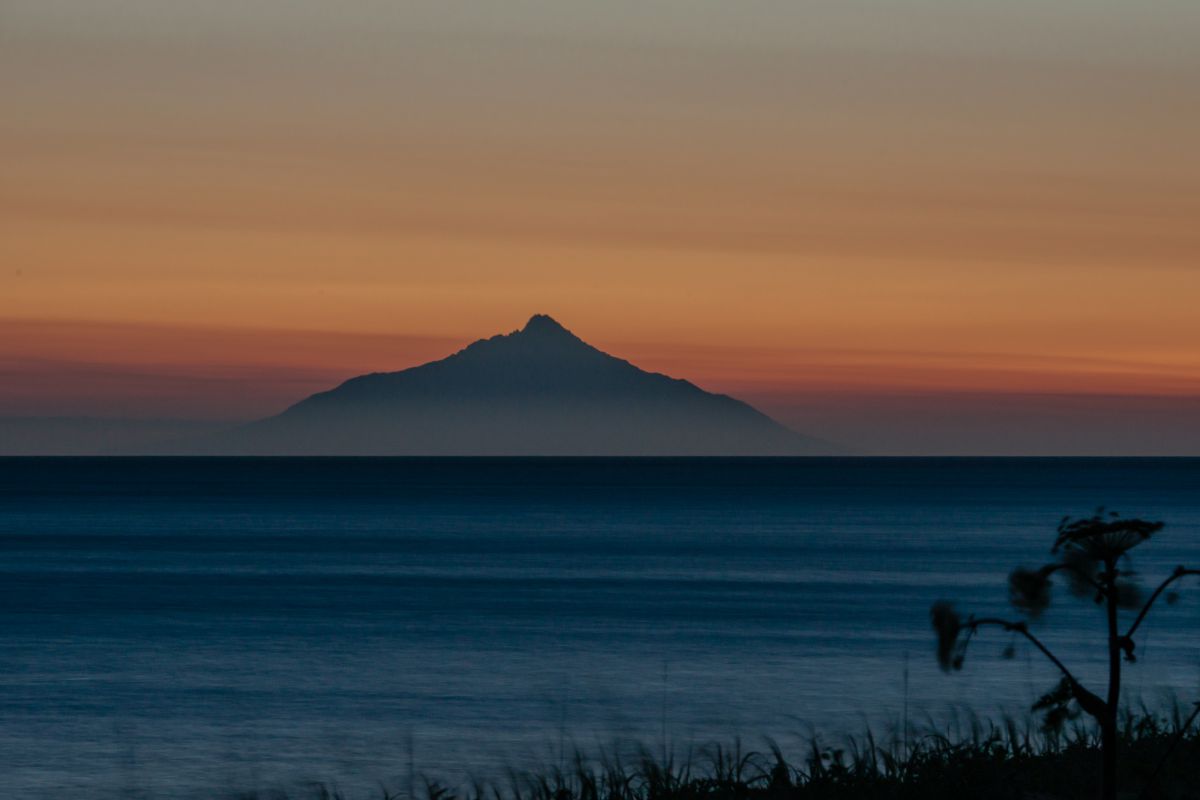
1092	553
1158	757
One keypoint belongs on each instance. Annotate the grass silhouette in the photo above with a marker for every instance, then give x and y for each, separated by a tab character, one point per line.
972	759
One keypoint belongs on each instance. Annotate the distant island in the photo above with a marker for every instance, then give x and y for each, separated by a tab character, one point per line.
540	390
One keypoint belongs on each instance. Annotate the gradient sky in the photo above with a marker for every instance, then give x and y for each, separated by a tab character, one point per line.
929	226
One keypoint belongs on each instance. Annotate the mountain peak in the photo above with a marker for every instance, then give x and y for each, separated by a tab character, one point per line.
543	325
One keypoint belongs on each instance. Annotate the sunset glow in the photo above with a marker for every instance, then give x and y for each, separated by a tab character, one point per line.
201	218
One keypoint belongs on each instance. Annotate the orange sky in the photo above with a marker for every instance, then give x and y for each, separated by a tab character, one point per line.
212	211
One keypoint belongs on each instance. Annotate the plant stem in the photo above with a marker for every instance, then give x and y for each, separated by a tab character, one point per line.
1088	701
1108	725
1179	572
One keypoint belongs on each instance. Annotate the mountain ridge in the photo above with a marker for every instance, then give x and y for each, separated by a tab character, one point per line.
538	390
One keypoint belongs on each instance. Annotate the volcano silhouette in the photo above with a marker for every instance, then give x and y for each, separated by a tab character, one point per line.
537	391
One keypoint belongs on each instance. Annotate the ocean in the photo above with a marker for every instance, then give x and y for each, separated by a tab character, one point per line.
188	627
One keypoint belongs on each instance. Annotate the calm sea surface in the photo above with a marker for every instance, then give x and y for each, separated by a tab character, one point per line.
169	627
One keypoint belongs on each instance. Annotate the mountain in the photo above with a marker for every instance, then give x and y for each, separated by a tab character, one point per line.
537	391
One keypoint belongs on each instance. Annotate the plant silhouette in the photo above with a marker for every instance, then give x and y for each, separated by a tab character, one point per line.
1092	554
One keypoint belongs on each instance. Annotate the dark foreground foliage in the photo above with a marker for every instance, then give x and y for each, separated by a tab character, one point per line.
1159	758
1093	553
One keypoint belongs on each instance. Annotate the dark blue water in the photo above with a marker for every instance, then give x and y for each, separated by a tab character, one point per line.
171	626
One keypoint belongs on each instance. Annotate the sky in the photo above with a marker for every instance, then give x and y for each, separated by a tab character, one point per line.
910	227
